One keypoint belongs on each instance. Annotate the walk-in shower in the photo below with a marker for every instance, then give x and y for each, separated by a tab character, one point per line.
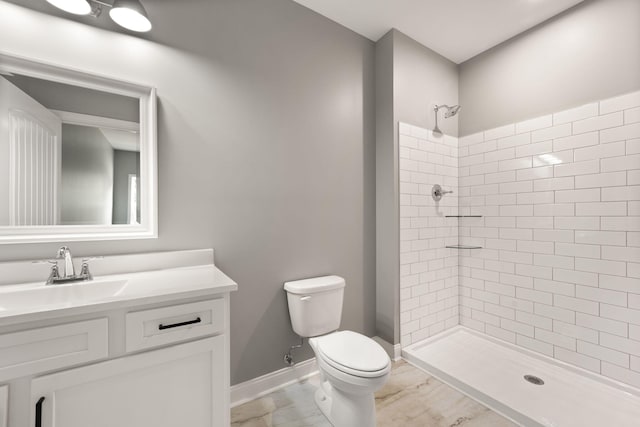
451	111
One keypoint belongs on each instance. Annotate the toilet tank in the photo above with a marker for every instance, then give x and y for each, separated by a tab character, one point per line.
315	305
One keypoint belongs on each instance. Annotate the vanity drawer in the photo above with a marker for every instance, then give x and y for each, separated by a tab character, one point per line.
166	325
44	349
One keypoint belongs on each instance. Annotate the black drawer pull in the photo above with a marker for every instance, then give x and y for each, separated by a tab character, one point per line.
39	412
177	325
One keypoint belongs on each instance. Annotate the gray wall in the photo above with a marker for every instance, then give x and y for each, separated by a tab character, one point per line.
588	53
410	80
63	97
266	149
125	163
87	177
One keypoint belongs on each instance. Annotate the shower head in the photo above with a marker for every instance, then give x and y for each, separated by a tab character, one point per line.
451	111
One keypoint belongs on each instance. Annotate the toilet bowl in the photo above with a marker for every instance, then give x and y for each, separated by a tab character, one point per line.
353	366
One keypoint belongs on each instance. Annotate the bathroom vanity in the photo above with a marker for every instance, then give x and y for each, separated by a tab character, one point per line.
145	343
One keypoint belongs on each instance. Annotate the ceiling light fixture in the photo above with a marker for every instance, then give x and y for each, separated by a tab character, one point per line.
129	14
77	7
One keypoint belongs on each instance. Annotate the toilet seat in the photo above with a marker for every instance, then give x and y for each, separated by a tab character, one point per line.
353	354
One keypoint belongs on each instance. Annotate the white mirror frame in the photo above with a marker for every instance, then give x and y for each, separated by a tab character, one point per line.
148	228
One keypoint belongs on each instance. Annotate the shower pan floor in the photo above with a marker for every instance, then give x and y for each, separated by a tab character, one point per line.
492	372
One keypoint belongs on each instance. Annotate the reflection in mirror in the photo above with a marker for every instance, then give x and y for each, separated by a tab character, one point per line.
69	155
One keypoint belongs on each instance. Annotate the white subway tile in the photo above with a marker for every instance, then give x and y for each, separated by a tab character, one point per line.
630	192
533	198
576	141
534	173
494	156
579	332
601	324
572	196
578	113
516	187
534	149
577	223
584	251
535	296
610	179
603	353
614	268
551	133
516	210
534	222
554	209
601	295
621	253
619	103
514	141
521	163
621	344
622	284
633	176
556	339
535	345
620	133
576	277
517	327
598	123
549	159
632	115
576	304
554	287
577	168
495	178
623	223
613	164
618	238
483	147
633	208
581	360
600	151
501	334
621	314
601	209
534	124
554	261
557	313
633	147
534	320
516	303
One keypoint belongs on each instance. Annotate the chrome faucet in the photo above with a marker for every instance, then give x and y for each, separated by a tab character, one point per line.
68	273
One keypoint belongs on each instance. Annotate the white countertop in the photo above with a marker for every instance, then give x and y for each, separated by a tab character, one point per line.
37	301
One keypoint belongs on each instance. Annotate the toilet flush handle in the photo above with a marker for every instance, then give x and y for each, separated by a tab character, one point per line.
305	298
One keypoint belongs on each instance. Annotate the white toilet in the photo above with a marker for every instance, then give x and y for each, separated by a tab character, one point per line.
353	366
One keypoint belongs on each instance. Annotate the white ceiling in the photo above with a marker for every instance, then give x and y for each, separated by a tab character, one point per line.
122	139
456	29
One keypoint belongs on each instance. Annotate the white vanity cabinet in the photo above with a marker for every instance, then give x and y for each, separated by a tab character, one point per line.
170	387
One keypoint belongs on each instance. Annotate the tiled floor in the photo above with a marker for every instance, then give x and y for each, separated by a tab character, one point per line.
411	398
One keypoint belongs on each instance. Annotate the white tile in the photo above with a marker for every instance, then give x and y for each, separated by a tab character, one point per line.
576	304
554	261
534	124
601	324
483	147
618	238
576	141
621	253
494	156
620	133
521	163
601	295
495	178
533	198
534	173
499	132
517	327
514	141
534	222
621	344
556	158
579	332
621	284
632	115
556	313
534	320
581	360
533	149
621	374
565	183
577	168
576	277
598	123
621	193
610	179
534	295
601	209
620	313
556	339
554	209
603	353
577	223
614	268
555	235
633	177
551	133
625	223
584	251
613	164
633	146
572	196
604	151
619	103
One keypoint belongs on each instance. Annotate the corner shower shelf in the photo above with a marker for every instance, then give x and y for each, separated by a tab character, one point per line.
462	247
463	216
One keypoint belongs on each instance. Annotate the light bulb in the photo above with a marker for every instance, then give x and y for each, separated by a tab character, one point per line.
77	7
131	15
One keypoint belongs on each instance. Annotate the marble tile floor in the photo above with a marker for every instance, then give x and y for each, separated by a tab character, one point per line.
411	398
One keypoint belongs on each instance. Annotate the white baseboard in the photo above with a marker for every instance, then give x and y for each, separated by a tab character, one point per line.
261	386
394	351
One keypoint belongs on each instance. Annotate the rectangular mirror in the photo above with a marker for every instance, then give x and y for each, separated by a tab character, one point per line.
77	155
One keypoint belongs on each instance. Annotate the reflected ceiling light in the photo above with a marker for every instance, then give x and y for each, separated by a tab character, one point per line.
131	15
77	7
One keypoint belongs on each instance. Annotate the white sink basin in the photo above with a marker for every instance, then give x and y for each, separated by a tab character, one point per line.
59	296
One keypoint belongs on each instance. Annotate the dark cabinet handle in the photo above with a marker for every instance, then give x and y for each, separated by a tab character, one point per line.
39	412
176	325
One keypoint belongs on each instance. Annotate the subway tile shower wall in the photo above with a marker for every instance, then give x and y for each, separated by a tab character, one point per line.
560	270
428	271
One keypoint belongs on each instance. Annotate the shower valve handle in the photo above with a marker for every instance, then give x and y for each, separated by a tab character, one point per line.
437	192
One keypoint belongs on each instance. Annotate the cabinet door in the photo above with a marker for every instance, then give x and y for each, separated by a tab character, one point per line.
184	385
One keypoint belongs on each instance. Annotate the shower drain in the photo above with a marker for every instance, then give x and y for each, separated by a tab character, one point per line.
534	380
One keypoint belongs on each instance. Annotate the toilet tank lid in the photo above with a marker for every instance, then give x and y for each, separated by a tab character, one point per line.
314	284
